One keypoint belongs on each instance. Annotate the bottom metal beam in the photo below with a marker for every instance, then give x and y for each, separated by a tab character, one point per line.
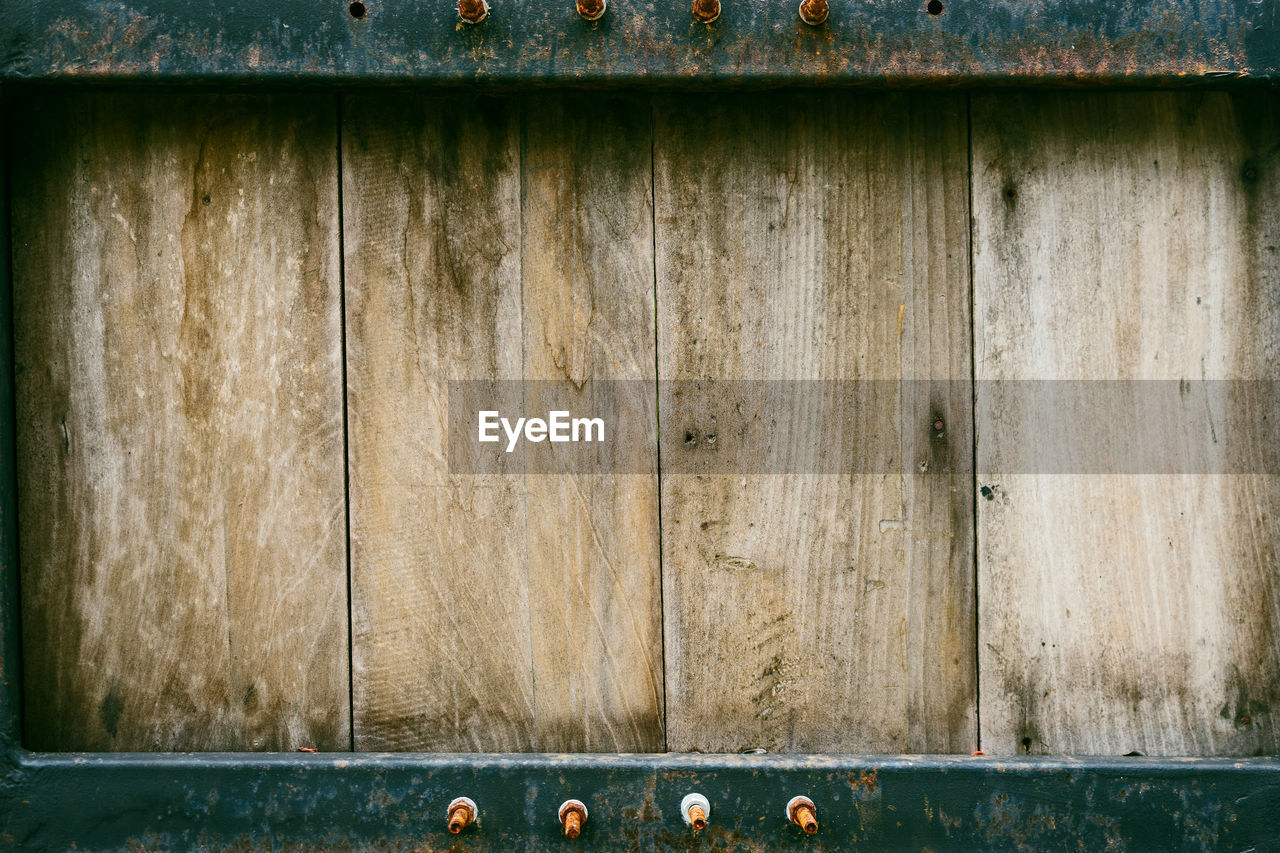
399	802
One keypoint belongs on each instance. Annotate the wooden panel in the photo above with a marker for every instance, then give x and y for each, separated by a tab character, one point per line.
496	612
1121	237
594	578
805	237
178	338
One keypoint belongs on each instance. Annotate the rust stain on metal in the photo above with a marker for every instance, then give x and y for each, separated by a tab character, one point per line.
865	786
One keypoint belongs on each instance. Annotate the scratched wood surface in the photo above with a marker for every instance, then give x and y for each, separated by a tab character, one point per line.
817	237
508	240
179	376
1122	237
180	470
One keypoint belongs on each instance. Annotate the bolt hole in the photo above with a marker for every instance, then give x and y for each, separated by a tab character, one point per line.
933	7
357	10
1026	744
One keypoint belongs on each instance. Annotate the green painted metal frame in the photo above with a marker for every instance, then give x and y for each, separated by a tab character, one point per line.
392	802
646	42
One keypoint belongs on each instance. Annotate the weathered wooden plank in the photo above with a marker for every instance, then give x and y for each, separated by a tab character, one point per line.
594	579
441	655
1124	237
818	237
486	239
178	343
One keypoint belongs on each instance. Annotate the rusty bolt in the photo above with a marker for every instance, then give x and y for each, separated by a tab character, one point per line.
814	12
939	425
462	813
695	809
473	11
592	10
706	11
573	814
803	813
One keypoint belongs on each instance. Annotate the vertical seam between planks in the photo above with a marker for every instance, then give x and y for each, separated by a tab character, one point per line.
657	402
346	447
973	418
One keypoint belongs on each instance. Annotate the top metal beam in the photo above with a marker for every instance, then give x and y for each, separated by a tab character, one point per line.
642	42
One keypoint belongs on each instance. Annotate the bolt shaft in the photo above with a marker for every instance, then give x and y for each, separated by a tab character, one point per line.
706	11
814	12
473	11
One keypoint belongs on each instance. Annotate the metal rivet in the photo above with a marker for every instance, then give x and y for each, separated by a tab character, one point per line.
814	12
803	813
706	11
573	814
473	11
592	10
696	810
462	813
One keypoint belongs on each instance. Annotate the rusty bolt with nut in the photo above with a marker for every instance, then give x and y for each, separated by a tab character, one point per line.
462	813
706	11
803	813
592	10
473	11
814	12
573	814
696	810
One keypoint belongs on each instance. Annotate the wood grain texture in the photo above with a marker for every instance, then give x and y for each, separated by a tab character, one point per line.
490	239
819	237
594	579
178	344
1119	237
